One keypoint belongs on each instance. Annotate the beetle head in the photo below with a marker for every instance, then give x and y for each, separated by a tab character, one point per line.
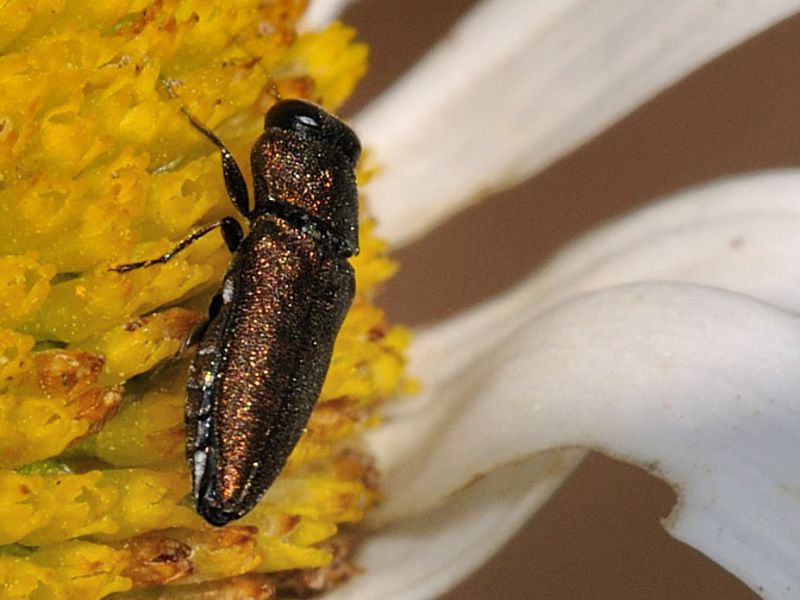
312	122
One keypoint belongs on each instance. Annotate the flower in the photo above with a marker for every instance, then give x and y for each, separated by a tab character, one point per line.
513	365
626	343
99	167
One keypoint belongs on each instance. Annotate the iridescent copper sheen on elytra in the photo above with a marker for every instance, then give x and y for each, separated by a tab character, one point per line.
262	360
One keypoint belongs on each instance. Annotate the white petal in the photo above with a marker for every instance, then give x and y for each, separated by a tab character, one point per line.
740	234
520	83
427	554
698	384
321	12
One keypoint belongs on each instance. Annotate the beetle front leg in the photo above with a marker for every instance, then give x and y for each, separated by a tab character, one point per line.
231	232
234	180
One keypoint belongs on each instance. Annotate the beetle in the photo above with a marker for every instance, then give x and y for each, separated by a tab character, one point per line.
262	357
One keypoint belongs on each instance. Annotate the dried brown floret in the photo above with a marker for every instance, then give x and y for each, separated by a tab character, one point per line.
157	560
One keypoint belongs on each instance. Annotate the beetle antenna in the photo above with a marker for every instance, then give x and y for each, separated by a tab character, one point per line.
169	85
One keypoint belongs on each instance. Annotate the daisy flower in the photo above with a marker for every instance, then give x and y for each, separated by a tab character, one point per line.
627	342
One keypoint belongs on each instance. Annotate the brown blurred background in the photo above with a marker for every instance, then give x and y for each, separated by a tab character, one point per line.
600	535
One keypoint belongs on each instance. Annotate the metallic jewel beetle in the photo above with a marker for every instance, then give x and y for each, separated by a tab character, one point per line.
263	355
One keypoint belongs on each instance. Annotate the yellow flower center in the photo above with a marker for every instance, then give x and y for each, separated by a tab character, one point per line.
98	167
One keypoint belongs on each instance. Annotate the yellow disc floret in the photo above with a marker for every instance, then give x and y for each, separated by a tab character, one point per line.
99	167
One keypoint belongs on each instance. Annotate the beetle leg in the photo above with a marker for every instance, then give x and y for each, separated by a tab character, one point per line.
234	180
231	232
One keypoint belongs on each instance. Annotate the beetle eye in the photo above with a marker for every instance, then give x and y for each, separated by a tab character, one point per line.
294	115
308	121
